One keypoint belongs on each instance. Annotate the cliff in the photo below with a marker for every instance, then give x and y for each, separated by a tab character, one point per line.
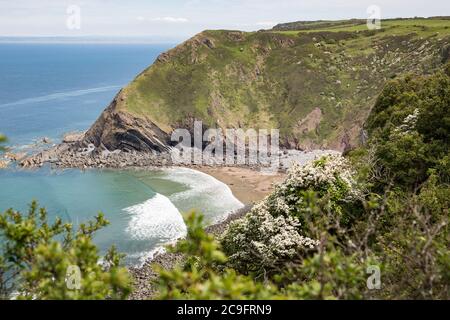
316	82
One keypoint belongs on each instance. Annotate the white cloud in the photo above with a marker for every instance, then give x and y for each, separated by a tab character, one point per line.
170	20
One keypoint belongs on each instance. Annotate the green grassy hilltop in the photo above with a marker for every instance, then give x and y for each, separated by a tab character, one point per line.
315	81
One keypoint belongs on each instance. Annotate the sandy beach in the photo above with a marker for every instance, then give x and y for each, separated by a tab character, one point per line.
248	185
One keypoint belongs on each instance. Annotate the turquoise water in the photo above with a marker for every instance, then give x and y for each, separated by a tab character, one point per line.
48	90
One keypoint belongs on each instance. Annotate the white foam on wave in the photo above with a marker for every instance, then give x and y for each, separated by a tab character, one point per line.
60	95
155	218
159	218
215	195
144	256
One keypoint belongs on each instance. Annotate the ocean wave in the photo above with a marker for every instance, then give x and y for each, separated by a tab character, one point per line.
155	218
60	95
138	259
159	218
216	194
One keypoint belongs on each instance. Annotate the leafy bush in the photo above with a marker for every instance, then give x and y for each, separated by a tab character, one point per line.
409	130
36	256
328	274
414	250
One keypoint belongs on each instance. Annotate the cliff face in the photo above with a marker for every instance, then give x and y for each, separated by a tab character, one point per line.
316	85
117	129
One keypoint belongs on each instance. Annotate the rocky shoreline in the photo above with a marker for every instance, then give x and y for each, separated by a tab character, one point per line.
144	277
75	152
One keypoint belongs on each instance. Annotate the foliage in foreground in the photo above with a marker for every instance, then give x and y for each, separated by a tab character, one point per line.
204	274
40	259
412	255
199	278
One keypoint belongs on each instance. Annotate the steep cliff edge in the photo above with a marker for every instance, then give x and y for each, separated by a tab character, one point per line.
316	84
116	129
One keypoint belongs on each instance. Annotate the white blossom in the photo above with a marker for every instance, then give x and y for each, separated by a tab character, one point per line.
409	123
270	233
264	240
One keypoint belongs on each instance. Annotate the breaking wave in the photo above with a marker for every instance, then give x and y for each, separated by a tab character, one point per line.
155	218
159	218
205	191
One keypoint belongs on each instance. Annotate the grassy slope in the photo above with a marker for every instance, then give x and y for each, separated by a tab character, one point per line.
276	78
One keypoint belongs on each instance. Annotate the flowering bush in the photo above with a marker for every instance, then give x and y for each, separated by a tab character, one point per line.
271	233
329	179
260	242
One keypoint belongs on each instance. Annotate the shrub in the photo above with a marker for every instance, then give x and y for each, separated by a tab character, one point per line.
330	178
260	243
409	129
415	249
36	257
273	232
329	273
199	278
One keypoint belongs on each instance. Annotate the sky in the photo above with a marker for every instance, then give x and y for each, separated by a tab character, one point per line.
180	19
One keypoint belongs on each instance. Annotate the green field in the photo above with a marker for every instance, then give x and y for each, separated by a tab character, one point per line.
397	26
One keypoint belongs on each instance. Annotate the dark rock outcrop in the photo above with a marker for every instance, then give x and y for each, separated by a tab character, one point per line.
118	130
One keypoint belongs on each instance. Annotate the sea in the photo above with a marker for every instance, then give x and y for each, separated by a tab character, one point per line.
50	89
